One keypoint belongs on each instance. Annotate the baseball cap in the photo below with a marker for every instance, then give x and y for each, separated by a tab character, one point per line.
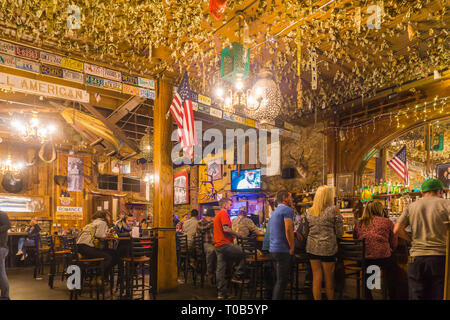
432	185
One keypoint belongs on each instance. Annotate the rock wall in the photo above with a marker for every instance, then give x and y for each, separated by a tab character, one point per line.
305	153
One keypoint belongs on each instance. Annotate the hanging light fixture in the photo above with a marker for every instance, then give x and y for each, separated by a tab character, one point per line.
33	129
264	99
146	146
9	166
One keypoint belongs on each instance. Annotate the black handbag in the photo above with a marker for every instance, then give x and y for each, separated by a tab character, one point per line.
300	244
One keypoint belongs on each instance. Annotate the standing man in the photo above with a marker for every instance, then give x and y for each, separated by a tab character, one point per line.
281	246
206	227
226	251
426	216
5	225
190	228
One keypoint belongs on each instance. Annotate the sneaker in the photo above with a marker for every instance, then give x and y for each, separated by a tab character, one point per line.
22	258
221	297
19	253
39	278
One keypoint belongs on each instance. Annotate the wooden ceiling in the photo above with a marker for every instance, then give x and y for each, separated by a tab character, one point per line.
149	37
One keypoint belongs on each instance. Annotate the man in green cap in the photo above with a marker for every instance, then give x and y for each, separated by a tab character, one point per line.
426	217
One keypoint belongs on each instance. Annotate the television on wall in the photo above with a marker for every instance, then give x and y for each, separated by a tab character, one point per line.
246	180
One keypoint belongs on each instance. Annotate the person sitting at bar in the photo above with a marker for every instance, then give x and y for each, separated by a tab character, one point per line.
33	233
121	222
244	225
144	224
380	242
190	228
426	216
87	242
324	225
122	232
206	227
179	227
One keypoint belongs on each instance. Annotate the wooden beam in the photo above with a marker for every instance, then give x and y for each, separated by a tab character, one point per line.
111	126
125	108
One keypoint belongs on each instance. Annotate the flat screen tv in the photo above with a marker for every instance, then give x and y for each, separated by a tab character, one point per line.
246	180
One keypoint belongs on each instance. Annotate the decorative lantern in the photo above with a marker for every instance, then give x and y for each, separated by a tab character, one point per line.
234	63
146	147
264	101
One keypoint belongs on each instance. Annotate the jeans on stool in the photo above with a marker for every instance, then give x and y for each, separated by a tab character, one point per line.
226	255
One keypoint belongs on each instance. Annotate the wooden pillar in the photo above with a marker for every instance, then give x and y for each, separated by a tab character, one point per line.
447	265
163	187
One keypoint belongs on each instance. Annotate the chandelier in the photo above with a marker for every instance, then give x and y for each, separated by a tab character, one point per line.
146	146
262	102
8	166
33	129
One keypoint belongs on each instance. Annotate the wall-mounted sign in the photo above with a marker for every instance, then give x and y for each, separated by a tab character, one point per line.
69	213
228	116
203	108
127	89
239	119
204	100
127	78
28	53
112	85
146	93
7	60
215	112
72	64
113	74
51	58
94	70
250	122
32	86
146	83
51	71
74	76
27	65
6	47
69	209
94	81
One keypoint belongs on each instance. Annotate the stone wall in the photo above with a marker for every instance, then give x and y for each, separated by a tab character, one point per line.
305	153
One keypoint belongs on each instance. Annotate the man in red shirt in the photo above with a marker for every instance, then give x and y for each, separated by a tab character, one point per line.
225	249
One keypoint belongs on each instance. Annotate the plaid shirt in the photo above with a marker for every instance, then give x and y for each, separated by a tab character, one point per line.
206	227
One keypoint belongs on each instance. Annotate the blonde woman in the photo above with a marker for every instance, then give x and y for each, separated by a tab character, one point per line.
324	225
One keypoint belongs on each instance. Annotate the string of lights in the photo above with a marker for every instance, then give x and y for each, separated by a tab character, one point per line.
424	108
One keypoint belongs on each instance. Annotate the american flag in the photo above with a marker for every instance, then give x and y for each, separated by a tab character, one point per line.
399	164
181	109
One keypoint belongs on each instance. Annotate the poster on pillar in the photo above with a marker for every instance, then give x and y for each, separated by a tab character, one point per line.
181	188
74	174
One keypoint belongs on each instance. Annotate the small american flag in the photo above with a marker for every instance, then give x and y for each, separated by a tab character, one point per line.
399	164
181	109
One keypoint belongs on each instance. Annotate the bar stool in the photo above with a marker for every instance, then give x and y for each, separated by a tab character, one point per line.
354	251
254	266
183	255
91	270
199	258
58	256
299	266
143	257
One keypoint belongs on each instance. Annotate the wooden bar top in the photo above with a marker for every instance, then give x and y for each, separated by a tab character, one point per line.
17	233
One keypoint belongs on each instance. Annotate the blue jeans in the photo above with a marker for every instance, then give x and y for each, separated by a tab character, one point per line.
4	284
227	254
22	242
282	266
426	278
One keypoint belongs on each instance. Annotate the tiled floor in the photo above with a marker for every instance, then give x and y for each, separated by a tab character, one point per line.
24	287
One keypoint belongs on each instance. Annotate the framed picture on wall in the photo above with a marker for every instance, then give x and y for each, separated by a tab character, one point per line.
443	173
214	169
181	188
344	184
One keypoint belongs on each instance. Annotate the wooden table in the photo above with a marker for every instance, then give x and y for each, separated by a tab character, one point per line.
447	265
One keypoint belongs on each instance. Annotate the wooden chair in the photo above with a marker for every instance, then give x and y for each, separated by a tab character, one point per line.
91	270
58	256
352	253
199	257
183	255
